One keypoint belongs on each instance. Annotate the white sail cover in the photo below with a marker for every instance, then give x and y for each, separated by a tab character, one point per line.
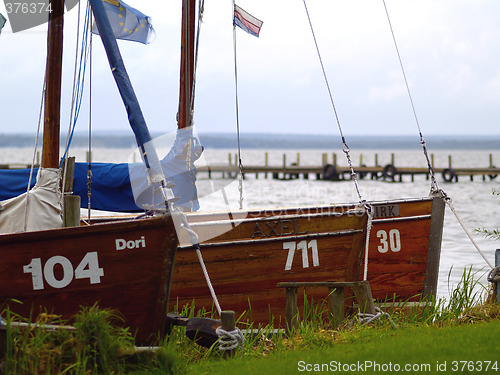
39	209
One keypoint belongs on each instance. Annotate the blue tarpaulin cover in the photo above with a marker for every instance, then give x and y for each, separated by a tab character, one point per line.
111	188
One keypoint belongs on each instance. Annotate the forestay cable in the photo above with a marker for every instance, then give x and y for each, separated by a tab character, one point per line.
434	186
193	236
345	149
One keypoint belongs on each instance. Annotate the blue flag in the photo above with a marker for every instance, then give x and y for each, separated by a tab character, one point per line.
2	22
128	23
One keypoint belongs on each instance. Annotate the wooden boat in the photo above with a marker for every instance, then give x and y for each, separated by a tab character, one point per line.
248	252
246	263
247	256
126	266
403	254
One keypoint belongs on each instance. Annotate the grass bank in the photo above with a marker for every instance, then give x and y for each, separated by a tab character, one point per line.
457	335
464	349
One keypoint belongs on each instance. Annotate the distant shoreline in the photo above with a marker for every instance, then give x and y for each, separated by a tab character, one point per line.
275	141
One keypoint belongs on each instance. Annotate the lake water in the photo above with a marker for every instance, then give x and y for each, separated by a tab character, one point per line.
474	202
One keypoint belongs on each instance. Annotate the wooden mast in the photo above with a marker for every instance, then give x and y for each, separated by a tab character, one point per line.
187	64
50	152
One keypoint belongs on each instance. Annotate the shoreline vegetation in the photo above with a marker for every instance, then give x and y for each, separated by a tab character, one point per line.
281	141
458	335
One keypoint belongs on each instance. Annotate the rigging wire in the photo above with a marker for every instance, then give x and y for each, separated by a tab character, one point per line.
89	172
434	186
240	164
201	12
78	88
345	148
37	137
64	159
193	236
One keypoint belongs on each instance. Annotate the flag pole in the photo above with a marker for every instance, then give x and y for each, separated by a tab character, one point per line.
240	165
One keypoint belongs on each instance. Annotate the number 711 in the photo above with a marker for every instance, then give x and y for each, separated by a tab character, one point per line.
304	246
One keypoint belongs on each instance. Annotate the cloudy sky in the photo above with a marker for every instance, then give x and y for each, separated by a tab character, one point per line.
450	52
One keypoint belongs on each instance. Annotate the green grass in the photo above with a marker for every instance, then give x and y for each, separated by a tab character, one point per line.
462	328
420	346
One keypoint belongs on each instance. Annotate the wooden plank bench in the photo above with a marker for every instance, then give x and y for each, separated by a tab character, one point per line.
335	298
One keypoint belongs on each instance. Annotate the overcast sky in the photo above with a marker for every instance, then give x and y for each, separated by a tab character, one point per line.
450	51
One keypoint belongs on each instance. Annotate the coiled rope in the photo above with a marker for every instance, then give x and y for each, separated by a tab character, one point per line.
229	340
494	275
365	318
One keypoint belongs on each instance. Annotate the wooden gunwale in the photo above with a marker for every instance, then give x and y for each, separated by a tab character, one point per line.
286	216
273	239
269	212
396	219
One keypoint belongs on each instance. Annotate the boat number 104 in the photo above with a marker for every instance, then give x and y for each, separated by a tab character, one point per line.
88	268
389	240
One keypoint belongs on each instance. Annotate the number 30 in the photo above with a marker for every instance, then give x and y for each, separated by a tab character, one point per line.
389	241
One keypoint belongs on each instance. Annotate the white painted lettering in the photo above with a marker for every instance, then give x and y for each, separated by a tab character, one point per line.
120	244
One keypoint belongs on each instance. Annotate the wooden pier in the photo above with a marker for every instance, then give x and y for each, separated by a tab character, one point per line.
333	172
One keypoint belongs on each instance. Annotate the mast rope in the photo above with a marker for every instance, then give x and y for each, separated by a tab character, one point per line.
37	137
64	159
434	185
201	12
79	75
452	208
89	173
240	164
193	238
228	340
345	147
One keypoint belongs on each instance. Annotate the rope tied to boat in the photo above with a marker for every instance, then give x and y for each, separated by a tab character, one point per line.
494	275
434	185
449	202
365	318
369	211
229	340
193	237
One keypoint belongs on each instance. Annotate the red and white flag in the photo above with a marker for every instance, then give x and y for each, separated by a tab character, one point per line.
246	21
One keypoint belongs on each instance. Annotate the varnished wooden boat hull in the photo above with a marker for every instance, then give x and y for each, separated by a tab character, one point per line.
403	258
405	247
246	263
126	266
